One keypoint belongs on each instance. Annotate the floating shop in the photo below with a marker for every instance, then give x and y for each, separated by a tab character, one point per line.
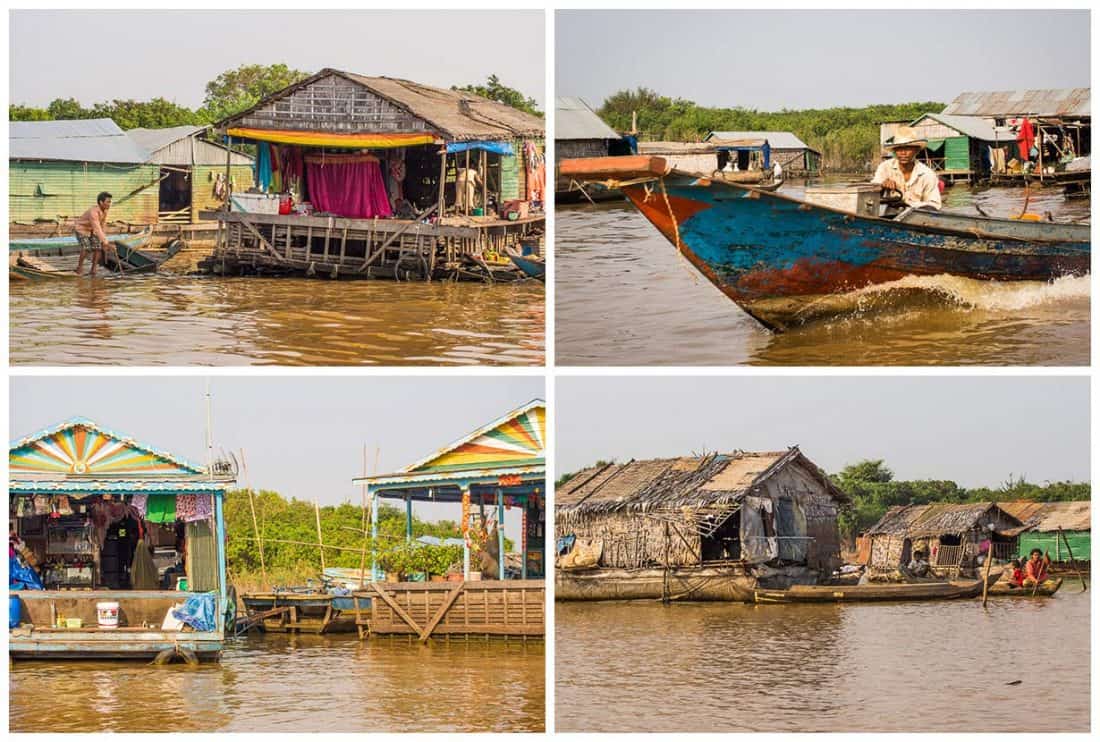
497	468
117	548
712	527
953	536
366	177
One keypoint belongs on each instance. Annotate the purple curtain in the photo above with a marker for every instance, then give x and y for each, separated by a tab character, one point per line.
351	189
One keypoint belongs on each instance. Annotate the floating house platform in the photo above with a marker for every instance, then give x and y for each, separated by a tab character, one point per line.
491	608
501	466
388	178
84	504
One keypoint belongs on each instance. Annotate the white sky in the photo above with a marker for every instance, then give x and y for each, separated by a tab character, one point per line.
973	430
105	54
775	59
302	436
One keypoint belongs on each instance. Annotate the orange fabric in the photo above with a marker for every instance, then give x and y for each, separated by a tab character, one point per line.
326	139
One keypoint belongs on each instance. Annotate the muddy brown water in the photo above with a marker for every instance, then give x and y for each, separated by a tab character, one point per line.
171	318
624	297
890	667
288	684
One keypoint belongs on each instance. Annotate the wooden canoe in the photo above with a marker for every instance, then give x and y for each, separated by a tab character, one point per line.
871	593
532	266
1048	588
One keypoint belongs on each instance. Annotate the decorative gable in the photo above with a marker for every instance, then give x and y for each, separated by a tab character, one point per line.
518	439
81	448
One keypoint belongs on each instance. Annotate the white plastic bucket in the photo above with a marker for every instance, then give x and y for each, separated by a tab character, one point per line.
107	613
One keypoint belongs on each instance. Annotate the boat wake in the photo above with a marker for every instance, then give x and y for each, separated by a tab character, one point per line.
946	291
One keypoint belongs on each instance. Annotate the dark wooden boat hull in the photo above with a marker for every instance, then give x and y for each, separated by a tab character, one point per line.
871	593
530	267
786	261
316	613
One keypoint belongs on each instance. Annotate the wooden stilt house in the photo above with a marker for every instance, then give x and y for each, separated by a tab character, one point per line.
387	177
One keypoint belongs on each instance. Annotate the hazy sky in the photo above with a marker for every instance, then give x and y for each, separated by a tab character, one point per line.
101	55
302	437
974	430
771	60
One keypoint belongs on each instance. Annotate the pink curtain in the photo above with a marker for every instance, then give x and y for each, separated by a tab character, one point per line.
351	187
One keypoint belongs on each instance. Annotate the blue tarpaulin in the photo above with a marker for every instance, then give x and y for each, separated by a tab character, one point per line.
22	577
500	148
198	612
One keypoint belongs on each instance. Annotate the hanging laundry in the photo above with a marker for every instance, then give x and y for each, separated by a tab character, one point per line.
140	502
190	508
161	509
263	165
1025	139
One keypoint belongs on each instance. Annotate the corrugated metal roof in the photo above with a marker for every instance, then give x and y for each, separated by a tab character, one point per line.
776	139
696	481
575	119
972	126
174	146
1050	516
676	148
85	140
1053	102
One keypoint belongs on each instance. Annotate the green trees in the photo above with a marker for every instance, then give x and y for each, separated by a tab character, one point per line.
848	138
495	90
235	90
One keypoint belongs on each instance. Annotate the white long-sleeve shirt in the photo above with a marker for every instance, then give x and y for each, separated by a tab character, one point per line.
922	188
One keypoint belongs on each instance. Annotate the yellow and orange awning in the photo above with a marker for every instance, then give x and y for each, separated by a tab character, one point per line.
325	139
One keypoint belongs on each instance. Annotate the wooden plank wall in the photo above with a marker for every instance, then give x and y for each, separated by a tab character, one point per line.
500	608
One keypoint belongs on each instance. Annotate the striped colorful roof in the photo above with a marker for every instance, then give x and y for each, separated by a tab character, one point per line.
80	448
516	439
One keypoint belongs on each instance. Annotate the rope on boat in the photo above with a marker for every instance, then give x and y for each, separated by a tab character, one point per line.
676	229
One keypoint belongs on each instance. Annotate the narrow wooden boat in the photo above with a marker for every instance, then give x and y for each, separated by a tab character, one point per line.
57	257
1045	590
787	261
532	266
867	593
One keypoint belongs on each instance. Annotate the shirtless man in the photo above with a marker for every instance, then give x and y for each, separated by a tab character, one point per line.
90	234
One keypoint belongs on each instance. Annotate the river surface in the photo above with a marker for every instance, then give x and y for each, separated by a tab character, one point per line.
174	319
286	684
890	667
624	297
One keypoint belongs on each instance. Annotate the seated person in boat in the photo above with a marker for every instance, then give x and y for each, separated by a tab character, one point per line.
918	566
1035	571
916	182
90	232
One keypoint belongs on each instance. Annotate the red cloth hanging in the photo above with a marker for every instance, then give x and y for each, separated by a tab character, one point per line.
353	189
1025	139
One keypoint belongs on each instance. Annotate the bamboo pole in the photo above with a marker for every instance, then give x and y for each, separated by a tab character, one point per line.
484	183
465	190
255	525
443	183
1073	561
988	566
320	541
363	556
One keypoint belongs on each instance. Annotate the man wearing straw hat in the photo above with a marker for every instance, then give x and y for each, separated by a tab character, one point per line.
916	182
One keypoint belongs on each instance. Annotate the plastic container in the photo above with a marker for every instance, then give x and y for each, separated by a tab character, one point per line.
286	205
15	611
74	623
107	614
478	211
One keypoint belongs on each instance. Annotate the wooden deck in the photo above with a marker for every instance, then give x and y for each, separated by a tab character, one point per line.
334	247
509	608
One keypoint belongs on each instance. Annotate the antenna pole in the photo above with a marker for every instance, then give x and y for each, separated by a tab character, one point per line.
209	433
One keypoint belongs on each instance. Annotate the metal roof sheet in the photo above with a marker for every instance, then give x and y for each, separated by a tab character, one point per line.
575	119
777	139
1050	516
974	127
154	139
85	140
1051	102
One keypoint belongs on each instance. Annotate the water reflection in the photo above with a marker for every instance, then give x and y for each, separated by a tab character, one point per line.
294	684
624	297
172	318
901	667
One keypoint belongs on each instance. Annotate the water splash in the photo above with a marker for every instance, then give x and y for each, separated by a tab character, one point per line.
985	295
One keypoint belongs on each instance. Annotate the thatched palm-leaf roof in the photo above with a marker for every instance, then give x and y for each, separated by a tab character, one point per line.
939	518
1050	516
714	480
